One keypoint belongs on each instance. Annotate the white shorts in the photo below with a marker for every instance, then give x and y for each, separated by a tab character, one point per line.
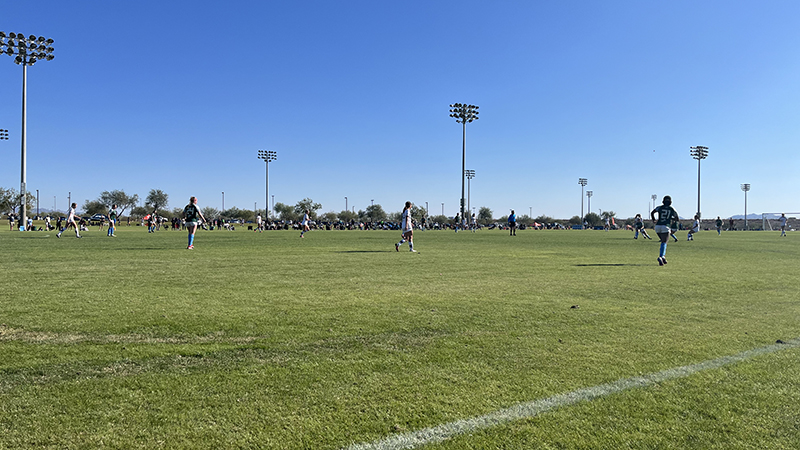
662	229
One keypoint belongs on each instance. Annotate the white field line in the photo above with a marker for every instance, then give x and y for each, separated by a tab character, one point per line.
415	439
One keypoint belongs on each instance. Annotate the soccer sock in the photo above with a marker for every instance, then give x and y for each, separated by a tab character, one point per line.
402	241
663	250
410	245
191	239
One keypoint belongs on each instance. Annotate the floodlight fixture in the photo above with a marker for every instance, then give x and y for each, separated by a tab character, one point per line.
470	174
267	156
589	200
3	135
583	182
28	51
699	153
745	188
464	114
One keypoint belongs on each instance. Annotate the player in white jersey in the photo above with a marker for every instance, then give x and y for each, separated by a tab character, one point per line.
473	223
408	230
304	224
783	224
71	221
260	225
695	227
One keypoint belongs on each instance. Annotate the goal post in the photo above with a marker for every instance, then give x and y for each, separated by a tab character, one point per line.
768	219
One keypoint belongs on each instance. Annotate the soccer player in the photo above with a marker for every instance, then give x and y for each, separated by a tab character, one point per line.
783	224
112	221
408	230
192	215
718	224
473	223
666	214
512	224
71	221
695	227
260	225
638	226
457	221
304	224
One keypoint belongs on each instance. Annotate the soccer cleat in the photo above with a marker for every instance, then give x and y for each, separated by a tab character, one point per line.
397	247
664	260
413	251
79	236
660	261
58	235
191	247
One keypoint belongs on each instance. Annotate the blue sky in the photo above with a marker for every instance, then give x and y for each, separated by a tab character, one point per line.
354	95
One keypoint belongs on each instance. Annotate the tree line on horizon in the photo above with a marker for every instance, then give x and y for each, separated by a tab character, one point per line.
158	201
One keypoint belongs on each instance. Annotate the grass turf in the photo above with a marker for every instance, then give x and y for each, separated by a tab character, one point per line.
270	341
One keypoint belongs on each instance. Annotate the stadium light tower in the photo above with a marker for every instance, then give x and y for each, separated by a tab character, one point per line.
583	182
699	153
745	188
654	197
268	156
28	50
470	174
589	200
463	114
3	135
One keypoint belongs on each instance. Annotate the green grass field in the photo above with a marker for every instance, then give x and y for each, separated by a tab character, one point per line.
269	341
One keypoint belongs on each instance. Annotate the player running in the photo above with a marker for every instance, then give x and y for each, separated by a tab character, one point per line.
192	215
304	224
112	221
408	230
71	221
783	225
718	224
666	214
695	227
638	227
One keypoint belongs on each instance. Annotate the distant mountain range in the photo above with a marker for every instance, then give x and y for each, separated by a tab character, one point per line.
759	216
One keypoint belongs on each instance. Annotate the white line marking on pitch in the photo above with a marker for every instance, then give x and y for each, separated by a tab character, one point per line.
527	410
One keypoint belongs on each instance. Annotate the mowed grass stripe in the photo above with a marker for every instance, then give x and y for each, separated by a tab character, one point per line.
532	409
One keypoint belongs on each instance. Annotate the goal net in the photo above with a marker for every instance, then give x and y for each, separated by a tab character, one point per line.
772	221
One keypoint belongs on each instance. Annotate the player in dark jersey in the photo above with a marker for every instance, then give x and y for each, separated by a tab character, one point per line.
112	221
666	215
192	215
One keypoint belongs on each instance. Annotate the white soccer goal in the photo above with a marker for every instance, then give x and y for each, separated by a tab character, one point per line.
772	221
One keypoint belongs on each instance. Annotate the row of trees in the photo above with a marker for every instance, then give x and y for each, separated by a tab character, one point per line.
158	200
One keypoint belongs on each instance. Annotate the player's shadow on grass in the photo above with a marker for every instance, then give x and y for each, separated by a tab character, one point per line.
605	265
363	251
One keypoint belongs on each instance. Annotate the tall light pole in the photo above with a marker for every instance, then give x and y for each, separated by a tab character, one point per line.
28	51
653	197
589	200
442	208
273	206
267	156
426	209
470	174
345	205
583	182
699	153
745	188
463	114
37	204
